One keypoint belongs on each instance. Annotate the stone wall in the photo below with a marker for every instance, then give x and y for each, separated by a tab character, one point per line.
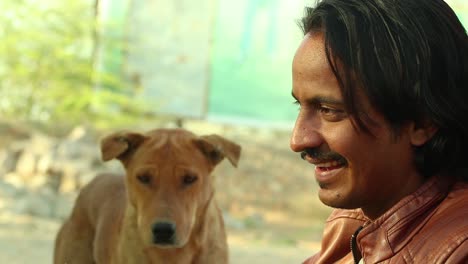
40	175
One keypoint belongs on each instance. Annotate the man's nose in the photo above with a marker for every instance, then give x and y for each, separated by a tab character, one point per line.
304	136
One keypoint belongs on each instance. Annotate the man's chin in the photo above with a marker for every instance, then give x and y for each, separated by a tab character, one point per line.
334	199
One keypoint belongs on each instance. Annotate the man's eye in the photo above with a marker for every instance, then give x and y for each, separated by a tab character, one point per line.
326	110
332	114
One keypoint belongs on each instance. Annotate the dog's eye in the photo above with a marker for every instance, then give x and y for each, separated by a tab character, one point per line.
144	178
189	179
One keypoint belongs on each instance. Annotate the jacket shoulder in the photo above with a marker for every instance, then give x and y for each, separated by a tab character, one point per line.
446	231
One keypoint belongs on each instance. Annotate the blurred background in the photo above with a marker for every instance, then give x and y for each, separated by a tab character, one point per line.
73	71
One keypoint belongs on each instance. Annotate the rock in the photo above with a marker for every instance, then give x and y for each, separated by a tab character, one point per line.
35	204
68	181
39	143
8	159
44	163
254	220
14	179
77	133
26	165
7	189
233	223
37	182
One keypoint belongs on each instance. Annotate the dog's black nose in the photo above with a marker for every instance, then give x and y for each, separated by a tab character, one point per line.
163	233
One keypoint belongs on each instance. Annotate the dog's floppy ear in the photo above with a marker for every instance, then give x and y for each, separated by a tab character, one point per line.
119	145
216	148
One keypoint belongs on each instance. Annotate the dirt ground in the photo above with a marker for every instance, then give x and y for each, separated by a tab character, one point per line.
27	240
271	208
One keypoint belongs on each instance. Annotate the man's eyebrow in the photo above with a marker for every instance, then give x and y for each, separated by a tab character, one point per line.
325	100
317	100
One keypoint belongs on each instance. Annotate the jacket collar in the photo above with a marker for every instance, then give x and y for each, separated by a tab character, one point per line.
382	238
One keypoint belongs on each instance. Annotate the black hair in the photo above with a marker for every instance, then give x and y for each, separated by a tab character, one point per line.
410	58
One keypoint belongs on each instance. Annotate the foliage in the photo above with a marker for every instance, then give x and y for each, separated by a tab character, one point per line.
48	60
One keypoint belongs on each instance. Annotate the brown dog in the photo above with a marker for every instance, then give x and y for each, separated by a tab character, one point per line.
162	211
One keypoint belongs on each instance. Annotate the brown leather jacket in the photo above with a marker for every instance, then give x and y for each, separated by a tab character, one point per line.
428	226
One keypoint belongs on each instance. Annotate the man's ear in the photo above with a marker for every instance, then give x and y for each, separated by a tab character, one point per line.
421	133
216	148
120	145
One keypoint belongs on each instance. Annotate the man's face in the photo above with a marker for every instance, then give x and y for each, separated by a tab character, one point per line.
354	169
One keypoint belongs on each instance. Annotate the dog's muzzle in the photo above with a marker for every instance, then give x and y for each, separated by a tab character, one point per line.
163	233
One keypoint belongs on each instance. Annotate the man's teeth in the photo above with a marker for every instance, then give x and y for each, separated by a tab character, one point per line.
329	164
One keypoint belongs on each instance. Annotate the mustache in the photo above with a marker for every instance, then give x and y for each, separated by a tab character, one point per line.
319	155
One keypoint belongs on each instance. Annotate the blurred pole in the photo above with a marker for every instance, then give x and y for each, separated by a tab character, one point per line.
96	50
214	4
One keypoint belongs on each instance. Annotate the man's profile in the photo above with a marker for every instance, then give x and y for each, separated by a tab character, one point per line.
382	87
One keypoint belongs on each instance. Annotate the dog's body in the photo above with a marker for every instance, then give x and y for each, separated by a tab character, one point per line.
162	211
